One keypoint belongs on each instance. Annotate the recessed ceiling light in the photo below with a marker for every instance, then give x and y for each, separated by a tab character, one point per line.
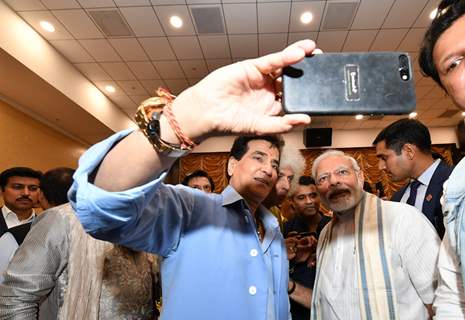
359	117
47	26
433	14
110	89
463	113
412	115
176	22
306	17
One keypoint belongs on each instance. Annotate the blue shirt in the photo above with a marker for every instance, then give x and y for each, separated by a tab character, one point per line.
454	212
214	265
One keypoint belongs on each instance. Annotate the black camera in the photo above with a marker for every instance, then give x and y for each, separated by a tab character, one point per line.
404	69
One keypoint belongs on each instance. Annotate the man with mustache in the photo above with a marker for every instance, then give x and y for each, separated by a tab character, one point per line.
223	255
376	258
301	235
58	261
20	192
404	151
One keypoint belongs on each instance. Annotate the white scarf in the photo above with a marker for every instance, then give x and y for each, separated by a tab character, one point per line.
372	240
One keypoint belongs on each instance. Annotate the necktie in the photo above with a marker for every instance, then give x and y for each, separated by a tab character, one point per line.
413	192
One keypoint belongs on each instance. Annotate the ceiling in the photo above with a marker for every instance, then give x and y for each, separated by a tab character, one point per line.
131	45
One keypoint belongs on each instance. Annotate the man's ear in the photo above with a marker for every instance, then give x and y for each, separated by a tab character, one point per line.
409	150
361	178
232	162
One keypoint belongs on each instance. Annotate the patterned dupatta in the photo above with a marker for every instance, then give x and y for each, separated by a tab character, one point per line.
372	240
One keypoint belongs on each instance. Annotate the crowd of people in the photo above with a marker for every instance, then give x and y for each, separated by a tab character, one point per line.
236	254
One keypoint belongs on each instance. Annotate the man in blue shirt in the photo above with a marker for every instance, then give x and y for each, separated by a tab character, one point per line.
223	255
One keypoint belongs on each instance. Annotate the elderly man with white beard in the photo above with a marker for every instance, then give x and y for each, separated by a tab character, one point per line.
376	259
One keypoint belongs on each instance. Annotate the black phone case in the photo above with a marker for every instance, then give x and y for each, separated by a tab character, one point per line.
350	83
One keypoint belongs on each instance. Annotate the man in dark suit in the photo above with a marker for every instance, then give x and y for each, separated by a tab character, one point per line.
404	151
20	192
19	187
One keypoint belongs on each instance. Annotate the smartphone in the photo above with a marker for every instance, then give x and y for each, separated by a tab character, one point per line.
350	83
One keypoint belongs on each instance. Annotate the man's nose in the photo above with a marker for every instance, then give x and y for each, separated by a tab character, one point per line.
286	184
268	168
381	165
309	199
333	179
25	191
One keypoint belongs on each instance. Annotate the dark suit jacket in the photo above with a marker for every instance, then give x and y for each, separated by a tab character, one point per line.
431	204
19	232
3	226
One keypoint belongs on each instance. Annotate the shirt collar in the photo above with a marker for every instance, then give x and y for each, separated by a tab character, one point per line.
231	196
7	212
426	176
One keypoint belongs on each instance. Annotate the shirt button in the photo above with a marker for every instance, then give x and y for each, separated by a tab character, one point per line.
253	252
252	290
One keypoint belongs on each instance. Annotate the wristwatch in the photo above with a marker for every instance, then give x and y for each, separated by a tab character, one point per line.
148	119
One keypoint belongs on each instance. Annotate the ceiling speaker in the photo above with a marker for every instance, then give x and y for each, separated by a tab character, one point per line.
208	19
318	137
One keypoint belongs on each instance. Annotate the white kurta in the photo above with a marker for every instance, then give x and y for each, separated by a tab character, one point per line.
414	254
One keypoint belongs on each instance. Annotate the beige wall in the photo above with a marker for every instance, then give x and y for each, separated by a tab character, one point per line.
27	142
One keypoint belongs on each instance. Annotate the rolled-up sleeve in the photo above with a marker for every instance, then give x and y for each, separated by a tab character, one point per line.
145	218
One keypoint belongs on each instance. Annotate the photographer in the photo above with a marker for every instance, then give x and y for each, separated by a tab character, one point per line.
223	254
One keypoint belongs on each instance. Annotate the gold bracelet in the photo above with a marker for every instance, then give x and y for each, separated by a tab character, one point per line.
148	119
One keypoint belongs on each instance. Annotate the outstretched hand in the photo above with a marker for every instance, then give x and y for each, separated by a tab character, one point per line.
241	98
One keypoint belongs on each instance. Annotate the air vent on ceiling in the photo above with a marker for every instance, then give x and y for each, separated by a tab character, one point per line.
448	113
111	23
339	15
208	19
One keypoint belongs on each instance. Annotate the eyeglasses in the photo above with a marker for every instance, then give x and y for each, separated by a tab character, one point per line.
341	172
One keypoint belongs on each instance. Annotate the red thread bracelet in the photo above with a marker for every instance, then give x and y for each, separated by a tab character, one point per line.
186	142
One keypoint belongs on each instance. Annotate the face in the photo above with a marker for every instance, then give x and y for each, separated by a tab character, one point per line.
285	177
201	183
448	56
339	185
306	201
21	193
397	167
279	193
256	173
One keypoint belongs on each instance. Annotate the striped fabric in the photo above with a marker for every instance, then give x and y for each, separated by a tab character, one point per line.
377	294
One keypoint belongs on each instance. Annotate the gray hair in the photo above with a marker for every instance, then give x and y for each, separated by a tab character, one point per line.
293	158
333	153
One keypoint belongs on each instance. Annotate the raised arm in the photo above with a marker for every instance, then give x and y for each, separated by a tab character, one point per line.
236	99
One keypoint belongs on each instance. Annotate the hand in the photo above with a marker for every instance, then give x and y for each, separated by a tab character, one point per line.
305	248
240	98
291	245
300	248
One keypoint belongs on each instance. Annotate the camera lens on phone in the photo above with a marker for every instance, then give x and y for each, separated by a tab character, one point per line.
404	67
